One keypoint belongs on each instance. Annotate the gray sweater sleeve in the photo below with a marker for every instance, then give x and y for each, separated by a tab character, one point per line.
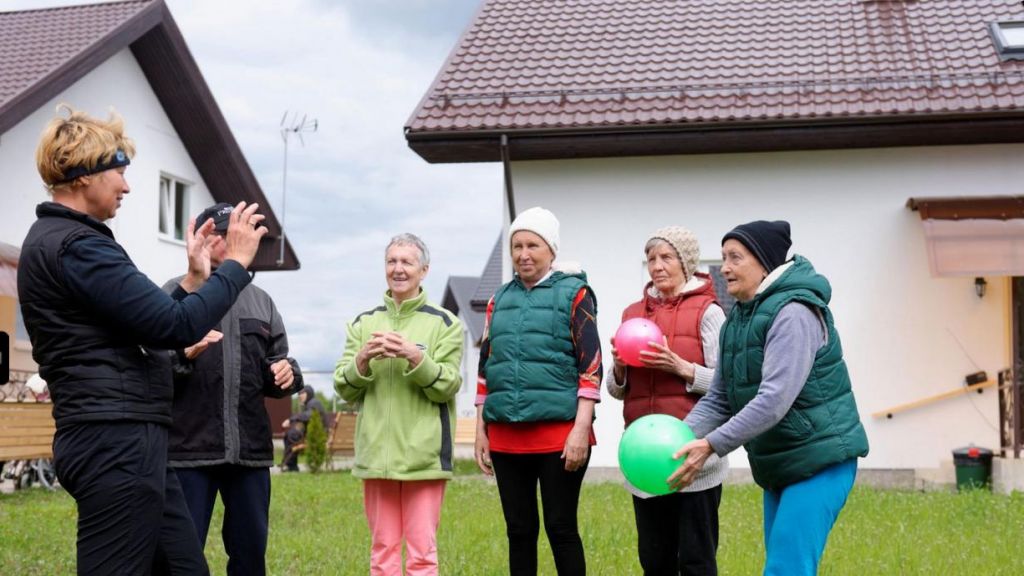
793	340
710	326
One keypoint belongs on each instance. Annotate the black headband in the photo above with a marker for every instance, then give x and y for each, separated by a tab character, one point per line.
118	159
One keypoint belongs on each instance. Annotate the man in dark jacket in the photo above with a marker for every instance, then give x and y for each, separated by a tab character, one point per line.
99	329
296	425
221	438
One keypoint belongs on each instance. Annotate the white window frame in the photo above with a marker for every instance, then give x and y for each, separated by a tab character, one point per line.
1009	47
725	300
172	219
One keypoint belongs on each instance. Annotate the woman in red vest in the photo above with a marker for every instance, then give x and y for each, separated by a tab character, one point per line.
677	533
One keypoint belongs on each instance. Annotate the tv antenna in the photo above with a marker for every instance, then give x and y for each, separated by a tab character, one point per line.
296	126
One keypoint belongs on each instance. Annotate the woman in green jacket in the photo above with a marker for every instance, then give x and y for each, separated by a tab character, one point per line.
402	363
783	392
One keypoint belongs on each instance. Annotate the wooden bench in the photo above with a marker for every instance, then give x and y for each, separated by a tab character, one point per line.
465	431
26	430
341	437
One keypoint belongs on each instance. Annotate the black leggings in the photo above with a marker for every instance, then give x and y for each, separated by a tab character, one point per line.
517	476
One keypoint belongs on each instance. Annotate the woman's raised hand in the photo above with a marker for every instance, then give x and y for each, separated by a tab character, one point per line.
244	233
197	247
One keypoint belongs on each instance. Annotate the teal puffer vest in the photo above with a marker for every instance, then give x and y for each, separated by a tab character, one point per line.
823	426
531	372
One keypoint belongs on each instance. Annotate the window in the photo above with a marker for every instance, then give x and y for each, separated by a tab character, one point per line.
725	300
174	210
1009	39
20	332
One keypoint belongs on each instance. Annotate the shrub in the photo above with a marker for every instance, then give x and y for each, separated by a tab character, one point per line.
316	443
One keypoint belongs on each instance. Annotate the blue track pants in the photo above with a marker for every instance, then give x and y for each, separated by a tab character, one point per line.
798	519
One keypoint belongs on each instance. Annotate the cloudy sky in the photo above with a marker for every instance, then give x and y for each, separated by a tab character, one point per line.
359	67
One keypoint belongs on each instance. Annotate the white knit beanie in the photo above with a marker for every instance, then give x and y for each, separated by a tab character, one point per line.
539	221
685	243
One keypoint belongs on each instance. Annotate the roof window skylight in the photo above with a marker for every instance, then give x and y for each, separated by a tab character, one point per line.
1009	39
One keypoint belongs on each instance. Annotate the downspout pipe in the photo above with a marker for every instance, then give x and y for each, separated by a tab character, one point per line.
507	168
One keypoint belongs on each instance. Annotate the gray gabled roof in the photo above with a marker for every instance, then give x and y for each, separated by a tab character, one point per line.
467	296
457	295
490	278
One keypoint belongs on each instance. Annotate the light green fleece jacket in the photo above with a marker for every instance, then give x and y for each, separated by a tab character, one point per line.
406	423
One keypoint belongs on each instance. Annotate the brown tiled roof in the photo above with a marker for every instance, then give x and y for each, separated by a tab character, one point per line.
36	43
43	52
555	68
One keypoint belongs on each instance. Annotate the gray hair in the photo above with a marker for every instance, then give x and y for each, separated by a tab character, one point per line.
655	241
407	239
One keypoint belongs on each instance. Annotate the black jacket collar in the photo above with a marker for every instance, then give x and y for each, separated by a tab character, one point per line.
55	210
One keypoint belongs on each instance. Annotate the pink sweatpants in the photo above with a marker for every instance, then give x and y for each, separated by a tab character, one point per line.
409	509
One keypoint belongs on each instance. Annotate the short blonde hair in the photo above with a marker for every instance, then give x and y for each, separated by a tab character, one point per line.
77	140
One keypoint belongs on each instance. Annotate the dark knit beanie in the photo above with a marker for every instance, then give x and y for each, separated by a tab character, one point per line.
768	241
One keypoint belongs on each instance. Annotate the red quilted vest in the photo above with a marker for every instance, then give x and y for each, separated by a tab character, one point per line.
654	391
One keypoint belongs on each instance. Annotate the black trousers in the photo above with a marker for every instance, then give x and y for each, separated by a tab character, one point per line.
290	460
132	517
245	492
518	476
678	533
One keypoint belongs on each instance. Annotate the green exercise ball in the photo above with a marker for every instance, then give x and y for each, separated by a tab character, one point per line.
646	449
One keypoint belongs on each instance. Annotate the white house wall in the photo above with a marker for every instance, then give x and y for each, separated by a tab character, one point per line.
905	334
466	398
119	83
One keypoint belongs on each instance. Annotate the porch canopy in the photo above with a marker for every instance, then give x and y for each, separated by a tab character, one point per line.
973	235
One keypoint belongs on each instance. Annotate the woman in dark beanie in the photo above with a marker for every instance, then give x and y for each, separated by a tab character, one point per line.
676	533
783	392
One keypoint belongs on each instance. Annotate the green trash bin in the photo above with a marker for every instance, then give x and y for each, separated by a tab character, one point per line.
973	468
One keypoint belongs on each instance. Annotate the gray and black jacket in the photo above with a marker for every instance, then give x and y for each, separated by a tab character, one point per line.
219	414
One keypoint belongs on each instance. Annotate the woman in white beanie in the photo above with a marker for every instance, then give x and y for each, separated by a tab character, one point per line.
676	533
540	376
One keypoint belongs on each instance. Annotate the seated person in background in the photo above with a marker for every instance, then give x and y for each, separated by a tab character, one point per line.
296	425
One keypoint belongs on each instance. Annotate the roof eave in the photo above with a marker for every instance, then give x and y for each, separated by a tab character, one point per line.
196	117
722	137
968	207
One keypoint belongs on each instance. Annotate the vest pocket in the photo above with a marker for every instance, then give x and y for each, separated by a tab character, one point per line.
796	424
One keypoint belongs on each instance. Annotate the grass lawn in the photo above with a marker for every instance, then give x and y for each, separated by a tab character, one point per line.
318	527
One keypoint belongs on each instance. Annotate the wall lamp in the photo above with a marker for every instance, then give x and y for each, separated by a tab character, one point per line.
980	286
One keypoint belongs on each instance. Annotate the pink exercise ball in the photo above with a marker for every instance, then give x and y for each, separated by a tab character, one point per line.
633	336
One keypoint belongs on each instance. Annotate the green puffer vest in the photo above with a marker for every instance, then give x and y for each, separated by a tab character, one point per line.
531	373
823	426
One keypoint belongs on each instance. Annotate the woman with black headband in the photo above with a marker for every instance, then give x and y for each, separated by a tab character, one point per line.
98	328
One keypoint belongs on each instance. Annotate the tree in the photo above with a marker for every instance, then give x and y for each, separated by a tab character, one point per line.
316	443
